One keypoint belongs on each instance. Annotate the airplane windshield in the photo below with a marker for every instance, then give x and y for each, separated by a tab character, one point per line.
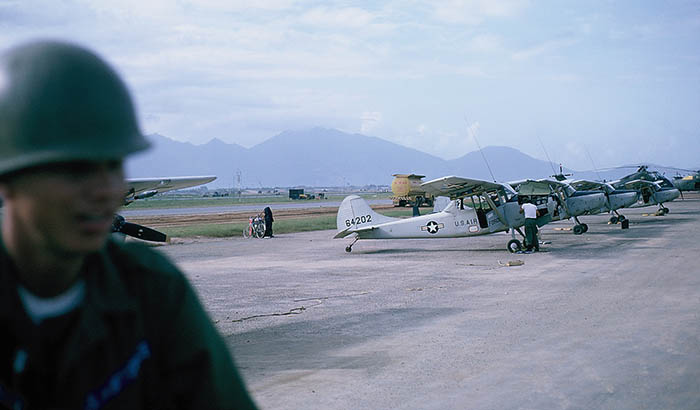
569	190
509	191
478	202
662	180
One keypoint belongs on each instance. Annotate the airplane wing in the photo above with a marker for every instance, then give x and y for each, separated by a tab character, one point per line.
587	185
538	187
140	188
455	187
640	183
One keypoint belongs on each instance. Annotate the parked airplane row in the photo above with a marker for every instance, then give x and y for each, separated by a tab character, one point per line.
478	207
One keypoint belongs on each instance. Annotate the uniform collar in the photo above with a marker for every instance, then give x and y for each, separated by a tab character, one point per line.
106	295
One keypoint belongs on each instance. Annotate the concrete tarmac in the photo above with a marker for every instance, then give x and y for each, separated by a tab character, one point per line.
604	320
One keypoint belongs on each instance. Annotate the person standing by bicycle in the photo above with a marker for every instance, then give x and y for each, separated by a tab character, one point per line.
268	223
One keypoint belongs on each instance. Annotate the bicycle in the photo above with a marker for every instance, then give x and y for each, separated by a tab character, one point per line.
256	227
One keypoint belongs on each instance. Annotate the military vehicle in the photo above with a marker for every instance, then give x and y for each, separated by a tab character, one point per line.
406	190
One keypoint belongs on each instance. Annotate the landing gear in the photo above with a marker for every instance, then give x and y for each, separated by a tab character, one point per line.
514	246
617	218
348	248
662	211
580	228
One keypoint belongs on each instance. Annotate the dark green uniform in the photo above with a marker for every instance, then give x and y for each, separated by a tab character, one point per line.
139	340
531	234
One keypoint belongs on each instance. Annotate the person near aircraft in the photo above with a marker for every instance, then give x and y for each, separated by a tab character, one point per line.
530	211
89	322
268	222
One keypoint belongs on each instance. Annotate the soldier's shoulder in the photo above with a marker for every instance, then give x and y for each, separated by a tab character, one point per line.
134	256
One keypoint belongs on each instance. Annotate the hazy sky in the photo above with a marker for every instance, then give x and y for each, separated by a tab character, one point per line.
619	79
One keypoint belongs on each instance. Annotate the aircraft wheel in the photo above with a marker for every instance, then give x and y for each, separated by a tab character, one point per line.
578	229
348	249
585	228
666	210
613	220
514	246
660	212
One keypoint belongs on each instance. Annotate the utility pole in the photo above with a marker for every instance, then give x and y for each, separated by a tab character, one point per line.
238	183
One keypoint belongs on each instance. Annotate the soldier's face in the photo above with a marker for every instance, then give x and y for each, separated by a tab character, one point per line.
66	207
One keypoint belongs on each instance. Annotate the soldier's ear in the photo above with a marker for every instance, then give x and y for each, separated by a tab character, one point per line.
8	186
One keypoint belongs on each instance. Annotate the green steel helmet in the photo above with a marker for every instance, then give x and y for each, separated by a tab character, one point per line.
60	102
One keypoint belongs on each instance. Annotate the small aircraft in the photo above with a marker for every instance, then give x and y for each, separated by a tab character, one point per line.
477	207
653	188
140	188
687	183
570	203
614	198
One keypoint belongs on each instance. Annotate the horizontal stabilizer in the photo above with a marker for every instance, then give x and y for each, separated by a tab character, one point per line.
355	215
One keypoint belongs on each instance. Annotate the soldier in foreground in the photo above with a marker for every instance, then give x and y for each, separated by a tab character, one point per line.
87	322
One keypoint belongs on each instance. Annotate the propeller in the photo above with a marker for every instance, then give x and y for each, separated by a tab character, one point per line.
137	231
561	176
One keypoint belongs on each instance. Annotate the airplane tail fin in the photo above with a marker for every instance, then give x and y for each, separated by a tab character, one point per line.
355	215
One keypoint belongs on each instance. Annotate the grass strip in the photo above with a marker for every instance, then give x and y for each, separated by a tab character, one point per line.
227	230
169	202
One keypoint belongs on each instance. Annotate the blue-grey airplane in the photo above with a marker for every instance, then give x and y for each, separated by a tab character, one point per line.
653	188
570	203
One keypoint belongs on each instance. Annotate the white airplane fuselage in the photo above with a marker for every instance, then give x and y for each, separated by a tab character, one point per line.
455	220
450	223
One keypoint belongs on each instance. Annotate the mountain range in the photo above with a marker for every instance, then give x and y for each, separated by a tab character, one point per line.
321	157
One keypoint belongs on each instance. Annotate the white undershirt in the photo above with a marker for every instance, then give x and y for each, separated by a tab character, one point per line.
530	210
39	309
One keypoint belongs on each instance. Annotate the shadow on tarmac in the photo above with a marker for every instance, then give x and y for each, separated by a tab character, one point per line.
281	348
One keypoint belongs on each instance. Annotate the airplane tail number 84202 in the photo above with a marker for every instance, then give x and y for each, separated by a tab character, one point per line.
358	220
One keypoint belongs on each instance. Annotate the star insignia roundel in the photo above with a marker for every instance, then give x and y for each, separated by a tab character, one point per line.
432	227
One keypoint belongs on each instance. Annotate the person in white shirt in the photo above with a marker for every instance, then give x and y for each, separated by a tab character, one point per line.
530	211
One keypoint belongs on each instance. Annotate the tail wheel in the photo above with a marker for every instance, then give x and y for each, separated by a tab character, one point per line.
514	246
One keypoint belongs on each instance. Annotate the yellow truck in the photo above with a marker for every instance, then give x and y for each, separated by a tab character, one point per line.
406	190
